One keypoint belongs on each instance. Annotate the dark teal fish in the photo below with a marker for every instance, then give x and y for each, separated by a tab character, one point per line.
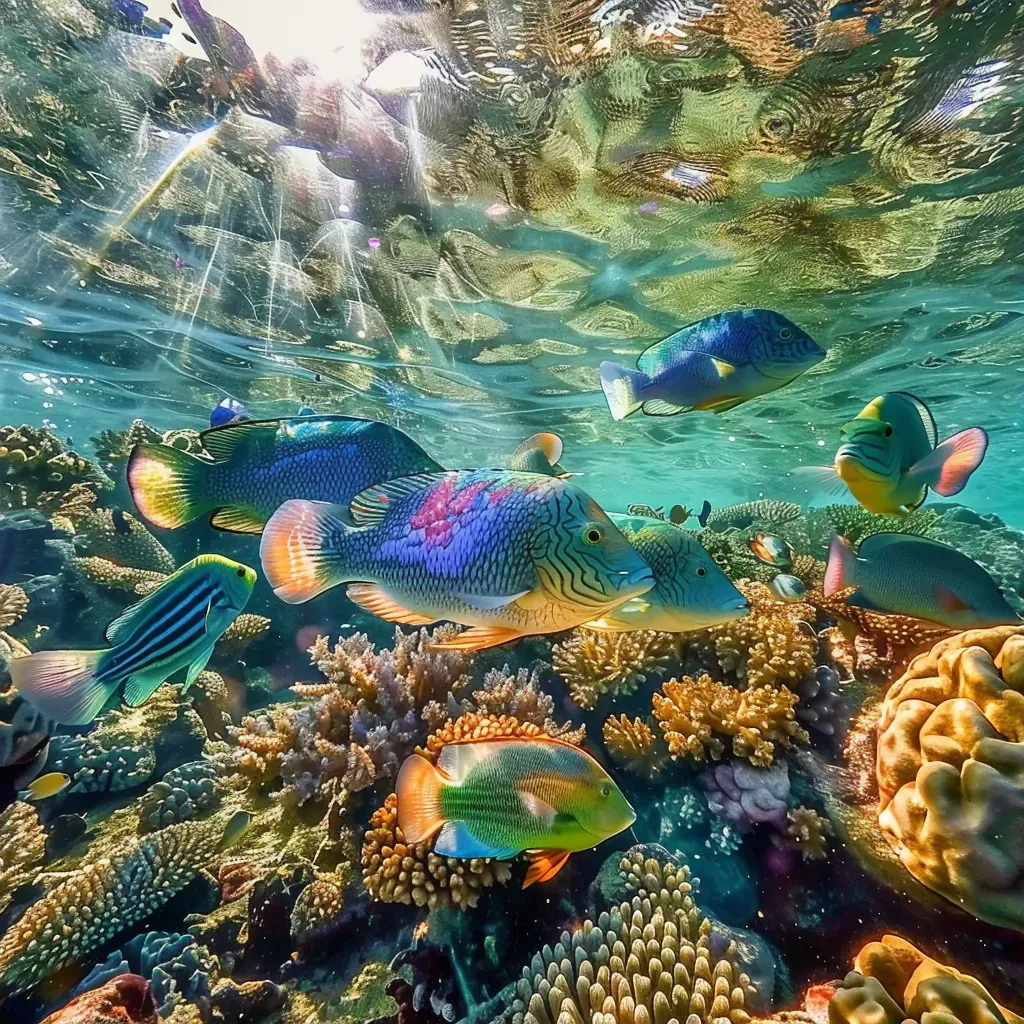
260	464
172	630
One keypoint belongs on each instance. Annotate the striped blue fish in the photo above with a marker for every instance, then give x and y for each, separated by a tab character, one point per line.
170	631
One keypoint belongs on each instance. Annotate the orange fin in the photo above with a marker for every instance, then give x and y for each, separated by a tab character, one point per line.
544	865
477	638
418	788
950	602
375	601
719	404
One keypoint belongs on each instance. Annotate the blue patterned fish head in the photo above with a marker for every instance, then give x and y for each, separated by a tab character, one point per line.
778	348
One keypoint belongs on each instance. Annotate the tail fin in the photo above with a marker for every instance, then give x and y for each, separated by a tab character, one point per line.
418	789
63	684
947	469
298	559
839	572
167	484
621	387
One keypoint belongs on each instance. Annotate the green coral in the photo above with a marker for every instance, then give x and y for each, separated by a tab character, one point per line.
765	512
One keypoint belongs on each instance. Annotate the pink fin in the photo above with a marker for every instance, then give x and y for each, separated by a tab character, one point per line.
950	602
839	571
544	864
948	468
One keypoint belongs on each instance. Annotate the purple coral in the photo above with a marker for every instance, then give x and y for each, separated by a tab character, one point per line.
821	706
743	795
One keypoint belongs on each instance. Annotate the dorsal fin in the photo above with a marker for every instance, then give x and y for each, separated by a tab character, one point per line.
221	442
927	420
369	507
524	458
871	545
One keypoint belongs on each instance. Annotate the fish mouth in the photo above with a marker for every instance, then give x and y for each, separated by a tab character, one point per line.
737	608
849	467
633	582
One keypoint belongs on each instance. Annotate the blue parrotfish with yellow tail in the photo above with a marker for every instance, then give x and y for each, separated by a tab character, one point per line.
170	631
690	591
498	798
509	554
256	465
714	364
890	455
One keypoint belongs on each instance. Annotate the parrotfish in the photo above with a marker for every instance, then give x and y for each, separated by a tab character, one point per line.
258	465
690	591
899	574
890	455
509	554
772	550
172	630
788	588
714	364
498	798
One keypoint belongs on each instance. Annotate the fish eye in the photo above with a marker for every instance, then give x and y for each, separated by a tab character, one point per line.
240	573
785	334
606	790
701	571
888	430
593	535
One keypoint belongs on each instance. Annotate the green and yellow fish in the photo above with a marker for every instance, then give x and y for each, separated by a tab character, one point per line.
257	465
891	455
171	630
509	554
498	798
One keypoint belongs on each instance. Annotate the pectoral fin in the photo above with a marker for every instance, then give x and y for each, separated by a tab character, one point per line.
196	667
537	806
544	865
950	602
723	366
478	638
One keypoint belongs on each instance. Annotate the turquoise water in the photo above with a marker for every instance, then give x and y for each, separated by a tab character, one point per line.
445	216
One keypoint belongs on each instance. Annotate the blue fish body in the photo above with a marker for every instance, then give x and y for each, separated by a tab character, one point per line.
714	364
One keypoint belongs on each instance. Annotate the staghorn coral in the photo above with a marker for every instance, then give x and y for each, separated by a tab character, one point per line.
594	664
122	539
396	872
808	832
634	745
90	905
950	772
647	960
22	848
119	577
246	628
765	512
893	982
318	909
772	644
697	716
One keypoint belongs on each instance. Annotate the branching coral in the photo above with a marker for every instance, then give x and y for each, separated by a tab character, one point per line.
22	847
473	726
246	628
13	605
697	715
893	982
950	772
92	904
770	645
634	745
808	832
397	872
594	664
647	961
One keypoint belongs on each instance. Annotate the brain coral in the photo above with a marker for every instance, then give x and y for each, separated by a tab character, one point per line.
645	961
892	983
951	771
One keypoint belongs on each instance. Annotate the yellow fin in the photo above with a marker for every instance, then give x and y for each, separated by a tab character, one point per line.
375	601
48	785
477	638
723	367
237	520
544	865
532	599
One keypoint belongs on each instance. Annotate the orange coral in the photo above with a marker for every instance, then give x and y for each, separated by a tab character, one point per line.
474	726
634	745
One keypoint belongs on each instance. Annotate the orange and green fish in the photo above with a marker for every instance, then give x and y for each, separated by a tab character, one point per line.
170	631
891	456
508	554
499	798
900	574
257	465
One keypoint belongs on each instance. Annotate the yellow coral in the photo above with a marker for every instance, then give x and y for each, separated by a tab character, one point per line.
772	644
320	904
594	664
13	605
397	872
646	960
22	847
121	538
950	772
243	631
695	715
893	982
121	577
634	745
808	832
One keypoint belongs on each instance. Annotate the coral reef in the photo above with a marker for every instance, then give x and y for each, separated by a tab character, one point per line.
120	538
249	1001
246	628
518	695
950	771
432	992
22	848
38	471
647	960
634	745
184	792
594	664
93	903
318	909
119	577
124	1000
697	716
893	982
745	796
766	513
770	645
397	872
821	708
808	833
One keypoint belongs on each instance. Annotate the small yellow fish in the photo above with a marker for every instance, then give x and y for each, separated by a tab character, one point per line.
47	785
